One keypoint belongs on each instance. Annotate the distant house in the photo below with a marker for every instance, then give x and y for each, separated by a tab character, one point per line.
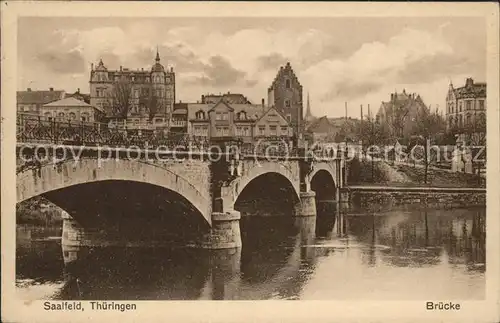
71	109
31	102
326	129
400	114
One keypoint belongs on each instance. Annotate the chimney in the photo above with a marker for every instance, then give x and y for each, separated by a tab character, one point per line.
51	89
263	104
121	68
91	66
78	90
29	89
171	69
392	96
469	82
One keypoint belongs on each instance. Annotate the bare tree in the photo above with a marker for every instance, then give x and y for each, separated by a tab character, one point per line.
428	125
120	98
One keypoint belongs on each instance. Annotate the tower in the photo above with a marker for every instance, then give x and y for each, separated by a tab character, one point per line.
309	117
285	94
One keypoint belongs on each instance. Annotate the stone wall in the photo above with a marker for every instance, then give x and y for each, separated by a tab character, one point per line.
435	199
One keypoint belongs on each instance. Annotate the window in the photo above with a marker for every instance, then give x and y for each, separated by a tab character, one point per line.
452	108
200	115
84	116
60	115
467	119
72	116
242	115
272	130
284	130
239	131
218	116
136	93
158	120
468	105
287	83
460	106
289	117
287	103
225	116
262	130
481	104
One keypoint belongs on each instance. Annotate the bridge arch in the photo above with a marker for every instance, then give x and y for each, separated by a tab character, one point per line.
231	192
51	177
329	168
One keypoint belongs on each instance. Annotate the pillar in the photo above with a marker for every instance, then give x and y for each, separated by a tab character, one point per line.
225	231
307	204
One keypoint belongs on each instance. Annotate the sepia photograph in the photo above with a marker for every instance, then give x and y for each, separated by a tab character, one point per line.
167	156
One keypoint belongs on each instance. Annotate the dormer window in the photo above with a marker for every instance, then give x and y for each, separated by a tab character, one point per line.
242	115
287	83
200	115
287	103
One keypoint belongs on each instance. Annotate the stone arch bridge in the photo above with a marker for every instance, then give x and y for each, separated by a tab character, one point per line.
84	180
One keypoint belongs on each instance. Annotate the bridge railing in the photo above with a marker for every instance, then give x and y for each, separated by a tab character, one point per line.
43	130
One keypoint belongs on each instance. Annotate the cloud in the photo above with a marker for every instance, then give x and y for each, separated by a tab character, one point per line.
63	62
377	64
271	61
219	72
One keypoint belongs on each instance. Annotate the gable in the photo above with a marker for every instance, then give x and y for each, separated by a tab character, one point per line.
272	116
221	106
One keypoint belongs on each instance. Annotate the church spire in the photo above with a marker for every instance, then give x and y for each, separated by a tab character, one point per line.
308	109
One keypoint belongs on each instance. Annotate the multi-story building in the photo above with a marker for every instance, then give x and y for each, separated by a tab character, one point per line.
31	102
71	109
148	95
285	94
401	113
246	122
466	105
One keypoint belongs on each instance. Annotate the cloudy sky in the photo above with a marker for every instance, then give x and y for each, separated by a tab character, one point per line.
337	60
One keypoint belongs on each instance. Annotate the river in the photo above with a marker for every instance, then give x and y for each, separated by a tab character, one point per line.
391	255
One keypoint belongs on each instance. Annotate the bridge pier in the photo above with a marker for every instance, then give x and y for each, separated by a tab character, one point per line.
307	204
225	231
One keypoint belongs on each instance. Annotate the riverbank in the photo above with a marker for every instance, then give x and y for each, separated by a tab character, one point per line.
38	211
381	173
382	197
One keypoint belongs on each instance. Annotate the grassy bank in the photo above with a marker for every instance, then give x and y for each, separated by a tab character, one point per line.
38	211
380	173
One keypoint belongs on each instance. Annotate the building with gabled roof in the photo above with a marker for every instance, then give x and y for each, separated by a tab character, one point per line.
71	109
285	94
235	121
400	114
31	102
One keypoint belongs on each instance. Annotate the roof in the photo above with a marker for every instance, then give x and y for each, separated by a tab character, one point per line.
38	97
253	111
322	124
68	102
180	111
476	90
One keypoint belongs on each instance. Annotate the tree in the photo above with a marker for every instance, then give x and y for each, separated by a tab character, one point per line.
428	125
373	134
120	98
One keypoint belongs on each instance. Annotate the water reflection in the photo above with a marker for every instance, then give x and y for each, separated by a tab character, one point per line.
389	255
